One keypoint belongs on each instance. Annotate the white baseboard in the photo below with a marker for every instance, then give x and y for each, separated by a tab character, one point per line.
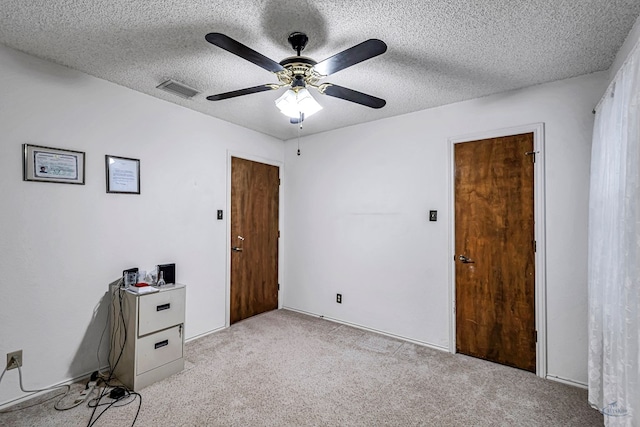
567	381
355	325
213	331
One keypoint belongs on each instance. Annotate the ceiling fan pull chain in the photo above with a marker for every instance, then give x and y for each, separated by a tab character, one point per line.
299	128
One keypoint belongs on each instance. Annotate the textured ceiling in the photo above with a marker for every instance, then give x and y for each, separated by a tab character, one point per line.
439	51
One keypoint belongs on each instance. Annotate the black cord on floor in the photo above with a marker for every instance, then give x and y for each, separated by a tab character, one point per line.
119	329
108	405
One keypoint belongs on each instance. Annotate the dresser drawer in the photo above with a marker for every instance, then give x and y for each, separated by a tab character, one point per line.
159	349
160	310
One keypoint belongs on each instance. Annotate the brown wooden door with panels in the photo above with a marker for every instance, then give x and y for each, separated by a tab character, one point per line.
495	250
254	238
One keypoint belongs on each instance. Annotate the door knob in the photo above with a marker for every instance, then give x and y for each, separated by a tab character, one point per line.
466	260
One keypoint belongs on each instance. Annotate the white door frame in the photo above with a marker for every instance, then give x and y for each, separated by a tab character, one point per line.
280	166
539	218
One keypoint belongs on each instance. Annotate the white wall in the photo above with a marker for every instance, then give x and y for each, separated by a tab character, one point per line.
60	245
359	221
356	221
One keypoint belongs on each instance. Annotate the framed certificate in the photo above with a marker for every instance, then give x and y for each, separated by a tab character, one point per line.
123	175
47	164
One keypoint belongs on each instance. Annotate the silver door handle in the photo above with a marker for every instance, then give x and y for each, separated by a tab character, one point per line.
237	248
466	260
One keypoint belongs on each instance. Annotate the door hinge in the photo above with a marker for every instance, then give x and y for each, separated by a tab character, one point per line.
535	246
278	234
278	286
535	336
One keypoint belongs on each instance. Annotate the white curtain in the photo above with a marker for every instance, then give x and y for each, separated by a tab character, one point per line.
614	250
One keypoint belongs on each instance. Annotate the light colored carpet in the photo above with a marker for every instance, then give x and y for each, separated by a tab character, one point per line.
283	368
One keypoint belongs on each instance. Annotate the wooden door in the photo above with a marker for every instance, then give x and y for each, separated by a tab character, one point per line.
495	250
254	238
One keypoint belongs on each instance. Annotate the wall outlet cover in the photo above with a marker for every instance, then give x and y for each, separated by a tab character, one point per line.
14	360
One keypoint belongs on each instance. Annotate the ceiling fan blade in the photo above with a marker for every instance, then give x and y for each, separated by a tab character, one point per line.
237	48
352	56
352	95
240	92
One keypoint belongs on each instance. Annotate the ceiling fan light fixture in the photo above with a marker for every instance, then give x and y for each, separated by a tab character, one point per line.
294	102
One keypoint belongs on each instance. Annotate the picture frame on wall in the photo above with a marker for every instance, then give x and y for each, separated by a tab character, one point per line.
123	175
48	164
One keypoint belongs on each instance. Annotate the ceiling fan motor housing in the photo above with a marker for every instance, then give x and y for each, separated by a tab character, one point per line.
298	68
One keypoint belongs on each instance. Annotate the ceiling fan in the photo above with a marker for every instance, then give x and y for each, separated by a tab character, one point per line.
299	72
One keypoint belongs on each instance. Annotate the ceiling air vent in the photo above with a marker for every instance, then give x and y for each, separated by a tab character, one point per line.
179	89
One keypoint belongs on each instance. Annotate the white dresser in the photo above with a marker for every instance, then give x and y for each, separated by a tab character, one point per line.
147	335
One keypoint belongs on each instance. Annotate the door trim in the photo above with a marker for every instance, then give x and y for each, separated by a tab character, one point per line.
267	161
539	216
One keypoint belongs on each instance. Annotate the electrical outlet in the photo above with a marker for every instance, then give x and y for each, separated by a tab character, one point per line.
339	298
14	360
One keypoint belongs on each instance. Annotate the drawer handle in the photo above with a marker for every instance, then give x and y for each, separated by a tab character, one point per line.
162	344
166	306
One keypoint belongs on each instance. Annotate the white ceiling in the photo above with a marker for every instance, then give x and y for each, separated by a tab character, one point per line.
439	51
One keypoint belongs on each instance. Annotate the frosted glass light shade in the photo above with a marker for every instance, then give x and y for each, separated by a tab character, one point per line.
292	103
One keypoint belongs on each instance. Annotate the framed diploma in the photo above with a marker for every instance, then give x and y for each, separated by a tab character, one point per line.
123	175
46	164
